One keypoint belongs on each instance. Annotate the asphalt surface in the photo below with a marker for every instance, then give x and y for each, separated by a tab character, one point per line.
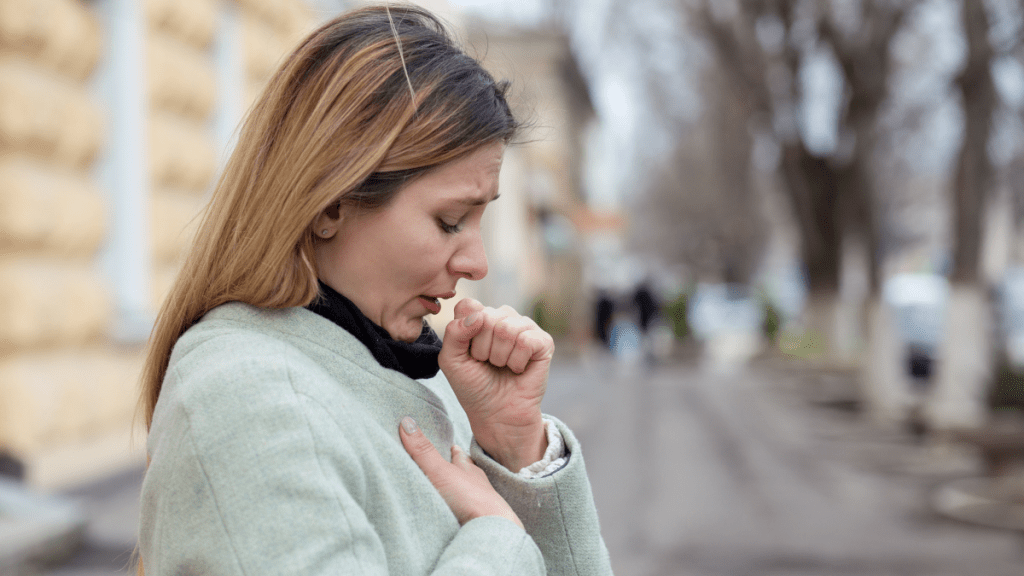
763	471
696	471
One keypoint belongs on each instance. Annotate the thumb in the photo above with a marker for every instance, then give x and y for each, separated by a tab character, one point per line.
419	447
458	335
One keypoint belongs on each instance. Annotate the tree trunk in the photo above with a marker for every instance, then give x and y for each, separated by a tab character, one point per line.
812	183
884	379
965	360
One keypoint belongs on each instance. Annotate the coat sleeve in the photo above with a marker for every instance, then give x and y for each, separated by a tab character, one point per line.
557	510
239	483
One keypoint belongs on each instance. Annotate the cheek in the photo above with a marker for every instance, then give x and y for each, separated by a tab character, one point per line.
414	263
425	262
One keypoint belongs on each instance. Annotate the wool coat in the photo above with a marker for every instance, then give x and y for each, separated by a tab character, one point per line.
274	450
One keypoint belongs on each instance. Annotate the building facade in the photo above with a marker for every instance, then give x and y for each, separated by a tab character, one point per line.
113	118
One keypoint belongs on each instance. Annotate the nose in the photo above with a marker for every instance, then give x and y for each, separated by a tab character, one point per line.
470	259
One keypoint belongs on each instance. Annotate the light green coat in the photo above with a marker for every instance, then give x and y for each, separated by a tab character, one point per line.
275	450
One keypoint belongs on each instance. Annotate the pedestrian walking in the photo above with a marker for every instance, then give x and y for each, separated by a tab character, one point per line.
646	306
302	417
604	309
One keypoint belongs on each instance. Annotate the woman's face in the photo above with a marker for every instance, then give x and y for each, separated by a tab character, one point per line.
397	263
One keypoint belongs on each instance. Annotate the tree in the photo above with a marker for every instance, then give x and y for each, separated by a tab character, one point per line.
763	47
966	355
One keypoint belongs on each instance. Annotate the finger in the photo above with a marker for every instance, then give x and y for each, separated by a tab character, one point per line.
467	306
506	333
459	334
463	461
460	458
480	348
531	346
420	448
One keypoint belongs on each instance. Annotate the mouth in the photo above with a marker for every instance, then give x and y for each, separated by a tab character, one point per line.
433	303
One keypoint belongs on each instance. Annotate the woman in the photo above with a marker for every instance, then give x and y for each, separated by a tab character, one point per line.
298	422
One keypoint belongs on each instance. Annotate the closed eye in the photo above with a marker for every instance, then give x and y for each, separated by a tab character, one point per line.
449	228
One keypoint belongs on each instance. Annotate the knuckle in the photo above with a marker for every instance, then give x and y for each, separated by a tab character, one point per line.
505	330
528	338
490	318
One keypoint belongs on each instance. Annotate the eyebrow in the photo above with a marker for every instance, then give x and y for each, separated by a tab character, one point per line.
478	201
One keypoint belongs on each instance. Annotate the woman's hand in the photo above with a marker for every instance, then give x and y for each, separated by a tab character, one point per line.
497	363
461	483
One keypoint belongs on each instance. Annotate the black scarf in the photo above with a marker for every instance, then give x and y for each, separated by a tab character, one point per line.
416	360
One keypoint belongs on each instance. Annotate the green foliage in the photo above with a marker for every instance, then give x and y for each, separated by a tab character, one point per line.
676	313
552	319
1007	391
772	319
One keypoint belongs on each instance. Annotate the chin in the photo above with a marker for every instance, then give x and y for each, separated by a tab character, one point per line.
408	332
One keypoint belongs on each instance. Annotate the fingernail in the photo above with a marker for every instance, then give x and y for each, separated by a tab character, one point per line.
471	319
409	425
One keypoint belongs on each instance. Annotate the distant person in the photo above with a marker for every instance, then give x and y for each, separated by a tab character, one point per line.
604	309
303	418
646	306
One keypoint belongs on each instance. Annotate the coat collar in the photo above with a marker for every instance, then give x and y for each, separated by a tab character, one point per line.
320	338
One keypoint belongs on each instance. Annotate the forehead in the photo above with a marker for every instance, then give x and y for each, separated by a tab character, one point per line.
472	178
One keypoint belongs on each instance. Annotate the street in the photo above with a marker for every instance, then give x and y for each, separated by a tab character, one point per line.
704	473
699	472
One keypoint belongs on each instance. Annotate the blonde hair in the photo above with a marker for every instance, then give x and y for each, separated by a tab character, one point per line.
369	101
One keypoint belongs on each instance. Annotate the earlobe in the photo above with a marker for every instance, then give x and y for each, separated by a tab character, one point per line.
326	224
324	231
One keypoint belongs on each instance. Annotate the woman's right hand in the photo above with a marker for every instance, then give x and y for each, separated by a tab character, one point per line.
461	483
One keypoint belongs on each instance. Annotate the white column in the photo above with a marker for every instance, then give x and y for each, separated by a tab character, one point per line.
227	55
126	256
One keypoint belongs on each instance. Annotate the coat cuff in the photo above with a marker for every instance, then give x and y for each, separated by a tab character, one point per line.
555	457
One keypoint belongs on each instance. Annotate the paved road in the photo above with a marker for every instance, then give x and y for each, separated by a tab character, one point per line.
705	473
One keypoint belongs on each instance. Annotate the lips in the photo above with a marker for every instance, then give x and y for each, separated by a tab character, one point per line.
433	303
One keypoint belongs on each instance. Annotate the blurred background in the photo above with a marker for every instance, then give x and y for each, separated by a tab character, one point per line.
780	244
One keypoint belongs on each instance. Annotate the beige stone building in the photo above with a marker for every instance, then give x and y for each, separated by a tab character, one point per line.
113	118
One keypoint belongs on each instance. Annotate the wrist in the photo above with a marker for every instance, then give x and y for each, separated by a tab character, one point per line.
514	447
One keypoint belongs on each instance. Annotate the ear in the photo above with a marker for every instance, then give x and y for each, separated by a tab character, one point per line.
326	224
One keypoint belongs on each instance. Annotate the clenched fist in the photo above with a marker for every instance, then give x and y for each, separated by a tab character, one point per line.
497	362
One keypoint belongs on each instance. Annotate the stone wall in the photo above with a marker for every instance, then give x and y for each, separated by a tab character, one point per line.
68	390
182	92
